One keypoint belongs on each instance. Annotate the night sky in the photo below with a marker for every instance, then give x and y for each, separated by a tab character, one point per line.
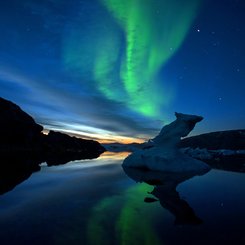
118	69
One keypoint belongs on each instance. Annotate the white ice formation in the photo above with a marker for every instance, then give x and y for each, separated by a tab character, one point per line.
162	154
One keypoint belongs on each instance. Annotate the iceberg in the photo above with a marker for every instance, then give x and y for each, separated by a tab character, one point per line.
162	154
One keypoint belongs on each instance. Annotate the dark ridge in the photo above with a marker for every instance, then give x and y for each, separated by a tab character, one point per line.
23	146
231	139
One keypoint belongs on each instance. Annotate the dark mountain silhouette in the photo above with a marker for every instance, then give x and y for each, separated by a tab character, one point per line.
23	146
17	128
230	139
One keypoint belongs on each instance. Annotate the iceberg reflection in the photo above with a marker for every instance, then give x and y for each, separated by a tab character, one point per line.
164	191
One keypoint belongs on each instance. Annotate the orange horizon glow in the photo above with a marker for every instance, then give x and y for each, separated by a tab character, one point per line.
122	140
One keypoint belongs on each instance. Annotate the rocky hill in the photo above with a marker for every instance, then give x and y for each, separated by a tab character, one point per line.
21	134
231	139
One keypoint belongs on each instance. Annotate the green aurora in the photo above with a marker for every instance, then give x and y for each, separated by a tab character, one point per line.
152	35
125	50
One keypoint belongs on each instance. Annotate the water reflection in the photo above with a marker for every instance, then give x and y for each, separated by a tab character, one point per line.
18	167
164	191
95	202
14	170
233	163
114	155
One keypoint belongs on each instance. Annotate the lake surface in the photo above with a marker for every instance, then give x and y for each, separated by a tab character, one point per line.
96	202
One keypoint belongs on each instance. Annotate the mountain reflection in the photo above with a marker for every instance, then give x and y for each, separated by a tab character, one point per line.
18	167
15	169
164	191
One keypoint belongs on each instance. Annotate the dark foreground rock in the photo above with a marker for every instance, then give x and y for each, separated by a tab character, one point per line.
17	128
20	133
231	139
23	146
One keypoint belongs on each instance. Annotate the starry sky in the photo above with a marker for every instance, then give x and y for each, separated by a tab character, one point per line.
117	70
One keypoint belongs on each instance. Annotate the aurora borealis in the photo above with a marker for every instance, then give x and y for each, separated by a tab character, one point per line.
126	64
117	70
152	36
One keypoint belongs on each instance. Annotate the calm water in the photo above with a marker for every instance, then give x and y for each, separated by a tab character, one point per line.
95	202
